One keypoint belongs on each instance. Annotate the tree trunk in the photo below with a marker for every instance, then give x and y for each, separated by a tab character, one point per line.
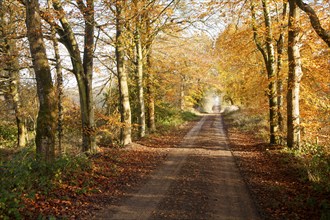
182	93
151	97
89	136
46	122
14	92
125	109
150	81
82	70
280	46
271	75
139	73
269	59
295	74
59	87
9	50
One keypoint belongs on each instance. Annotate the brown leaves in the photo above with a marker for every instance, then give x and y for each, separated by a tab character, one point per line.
275	180
76	196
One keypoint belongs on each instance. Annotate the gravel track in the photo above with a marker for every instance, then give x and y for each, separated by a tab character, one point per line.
198	180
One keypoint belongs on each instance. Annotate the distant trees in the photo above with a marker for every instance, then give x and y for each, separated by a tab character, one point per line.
140	48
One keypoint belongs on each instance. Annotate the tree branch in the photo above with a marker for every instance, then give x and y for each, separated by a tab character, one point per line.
315	21
255	34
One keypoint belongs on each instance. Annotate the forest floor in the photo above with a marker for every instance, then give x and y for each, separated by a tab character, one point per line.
274	180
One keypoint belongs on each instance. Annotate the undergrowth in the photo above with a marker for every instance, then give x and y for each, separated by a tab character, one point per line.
23	176
8	135
168	118
250	123
316	162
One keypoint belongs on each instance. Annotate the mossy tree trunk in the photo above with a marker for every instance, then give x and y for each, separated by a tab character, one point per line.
59	86
46	122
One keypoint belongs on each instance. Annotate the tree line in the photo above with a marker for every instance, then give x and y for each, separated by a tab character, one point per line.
290	40
144	46
117	35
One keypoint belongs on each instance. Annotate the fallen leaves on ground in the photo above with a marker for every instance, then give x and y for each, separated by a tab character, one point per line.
276	180
114	171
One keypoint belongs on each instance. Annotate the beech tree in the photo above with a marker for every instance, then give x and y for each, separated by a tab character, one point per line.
46	122
268	54
8	28
82	68
294	77
139	67
59	84
280	53
125	109
150	76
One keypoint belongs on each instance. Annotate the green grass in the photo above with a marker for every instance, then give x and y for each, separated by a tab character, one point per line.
169	118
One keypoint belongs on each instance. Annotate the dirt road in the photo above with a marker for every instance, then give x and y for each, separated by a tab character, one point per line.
198	180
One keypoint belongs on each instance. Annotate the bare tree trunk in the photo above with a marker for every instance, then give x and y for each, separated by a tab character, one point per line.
139	71
295	75
46	122
59	86
14	92
271	75
125	109
139	66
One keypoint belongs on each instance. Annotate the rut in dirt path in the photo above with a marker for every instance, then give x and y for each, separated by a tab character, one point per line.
198	180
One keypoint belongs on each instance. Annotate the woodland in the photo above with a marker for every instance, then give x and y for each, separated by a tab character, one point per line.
80	80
